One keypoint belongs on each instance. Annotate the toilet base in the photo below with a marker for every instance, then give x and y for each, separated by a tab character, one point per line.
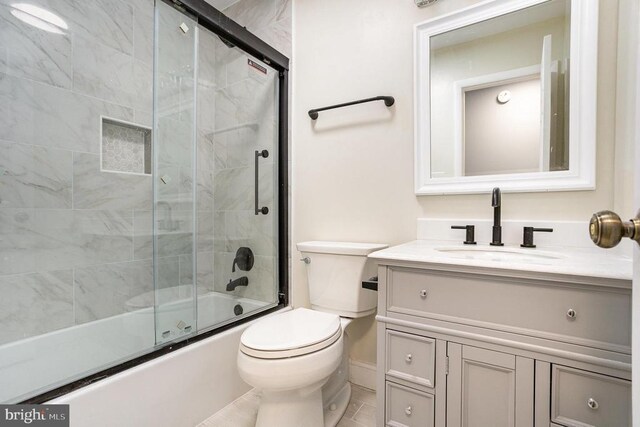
302	408
334	410
296	408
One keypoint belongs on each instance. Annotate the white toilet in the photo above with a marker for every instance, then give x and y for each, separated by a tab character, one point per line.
299	359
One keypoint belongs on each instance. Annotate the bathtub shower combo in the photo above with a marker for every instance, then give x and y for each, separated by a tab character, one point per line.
143	177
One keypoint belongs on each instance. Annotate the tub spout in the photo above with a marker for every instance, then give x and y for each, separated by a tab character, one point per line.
233	284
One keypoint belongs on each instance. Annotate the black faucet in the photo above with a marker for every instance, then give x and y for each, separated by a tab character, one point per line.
240	281
496	234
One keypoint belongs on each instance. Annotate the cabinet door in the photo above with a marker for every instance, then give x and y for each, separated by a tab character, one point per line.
488	388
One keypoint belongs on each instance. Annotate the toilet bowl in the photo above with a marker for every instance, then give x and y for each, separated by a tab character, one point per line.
292	372
299	359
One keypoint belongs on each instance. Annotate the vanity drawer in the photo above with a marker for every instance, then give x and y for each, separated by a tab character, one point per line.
581	398
578	313
408	407
411	357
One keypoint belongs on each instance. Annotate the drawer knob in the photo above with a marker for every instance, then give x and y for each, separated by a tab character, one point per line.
592	403
571	313
408	410
408	358
423	293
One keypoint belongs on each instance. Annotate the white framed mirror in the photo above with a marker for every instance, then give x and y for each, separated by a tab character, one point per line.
505	95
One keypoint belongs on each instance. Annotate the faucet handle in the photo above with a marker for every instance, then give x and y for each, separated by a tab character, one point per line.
244	259
470	236
527	236
495	197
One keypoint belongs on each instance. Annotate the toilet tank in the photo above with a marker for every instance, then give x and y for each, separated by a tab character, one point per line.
335	272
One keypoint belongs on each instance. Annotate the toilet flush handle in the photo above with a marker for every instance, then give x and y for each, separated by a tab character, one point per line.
306	260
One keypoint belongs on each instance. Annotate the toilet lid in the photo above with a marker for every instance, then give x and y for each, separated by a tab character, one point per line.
294	332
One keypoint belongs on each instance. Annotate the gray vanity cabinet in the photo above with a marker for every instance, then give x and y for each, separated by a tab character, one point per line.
461	348
488	388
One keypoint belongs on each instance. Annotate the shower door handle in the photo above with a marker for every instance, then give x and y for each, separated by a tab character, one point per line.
263	210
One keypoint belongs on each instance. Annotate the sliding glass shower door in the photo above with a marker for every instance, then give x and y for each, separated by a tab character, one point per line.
215	200
174	179
237	197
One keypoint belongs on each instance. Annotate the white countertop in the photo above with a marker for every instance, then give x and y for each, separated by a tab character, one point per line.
585	265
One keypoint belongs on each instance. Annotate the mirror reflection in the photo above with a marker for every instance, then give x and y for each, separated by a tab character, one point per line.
500	94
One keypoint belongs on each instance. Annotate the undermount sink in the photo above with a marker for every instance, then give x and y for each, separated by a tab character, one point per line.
499	254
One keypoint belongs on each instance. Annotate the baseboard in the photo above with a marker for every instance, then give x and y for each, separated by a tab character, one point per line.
362	374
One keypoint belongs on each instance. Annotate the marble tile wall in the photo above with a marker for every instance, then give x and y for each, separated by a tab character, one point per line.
35	303
268	19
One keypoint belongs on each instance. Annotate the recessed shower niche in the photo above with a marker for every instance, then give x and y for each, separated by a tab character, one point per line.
125	147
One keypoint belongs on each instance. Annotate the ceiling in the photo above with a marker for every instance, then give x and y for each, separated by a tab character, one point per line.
503	23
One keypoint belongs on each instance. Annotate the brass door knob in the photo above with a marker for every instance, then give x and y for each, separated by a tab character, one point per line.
607	229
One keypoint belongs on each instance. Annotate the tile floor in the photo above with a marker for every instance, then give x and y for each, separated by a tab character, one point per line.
361	411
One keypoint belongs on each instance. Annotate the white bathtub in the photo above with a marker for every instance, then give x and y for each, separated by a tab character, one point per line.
62	356
176	303
180	389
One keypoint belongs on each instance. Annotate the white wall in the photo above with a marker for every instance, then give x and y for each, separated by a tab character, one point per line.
353	168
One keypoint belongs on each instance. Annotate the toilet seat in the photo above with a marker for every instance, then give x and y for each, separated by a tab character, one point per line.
293	333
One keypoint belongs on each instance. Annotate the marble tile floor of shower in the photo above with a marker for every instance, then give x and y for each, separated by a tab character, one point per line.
243	411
